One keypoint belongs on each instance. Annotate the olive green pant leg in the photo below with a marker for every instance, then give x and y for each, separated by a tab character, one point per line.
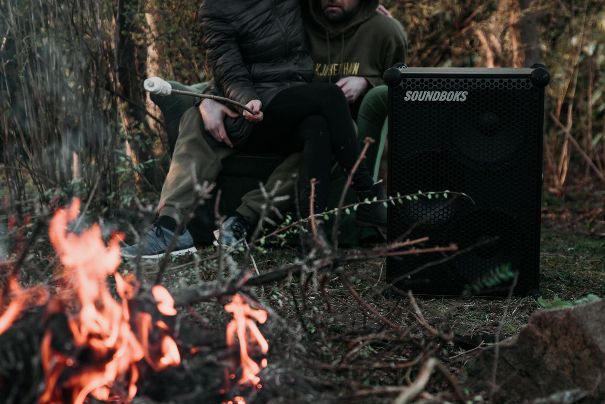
285	174
371	123
195	151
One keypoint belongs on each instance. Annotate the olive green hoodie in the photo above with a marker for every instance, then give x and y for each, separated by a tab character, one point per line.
365	46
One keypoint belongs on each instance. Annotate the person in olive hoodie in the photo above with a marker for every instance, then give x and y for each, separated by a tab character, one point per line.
350	40
256	51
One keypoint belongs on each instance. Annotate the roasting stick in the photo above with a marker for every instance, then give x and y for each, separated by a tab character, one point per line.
159	86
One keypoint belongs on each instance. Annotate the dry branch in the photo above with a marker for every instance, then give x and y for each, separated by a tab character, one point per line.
419	384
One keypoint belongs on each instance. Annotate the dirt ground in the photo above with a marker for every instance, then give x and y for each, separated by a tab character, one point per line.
327	347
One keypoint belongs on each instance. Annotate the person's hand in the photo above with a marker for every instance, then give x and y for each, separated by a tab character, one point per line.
255	106
384	11
353	87
213	114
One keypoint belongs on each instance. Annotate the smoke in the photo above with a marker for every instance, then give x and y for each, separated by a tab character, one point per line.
60	120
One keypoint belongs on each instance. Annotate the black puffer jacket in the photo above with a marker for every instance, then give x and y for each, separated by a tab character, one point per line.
255	48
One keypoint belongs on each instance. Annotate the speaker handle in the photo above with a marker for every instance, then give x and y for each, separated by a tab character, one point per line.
540	77
392	76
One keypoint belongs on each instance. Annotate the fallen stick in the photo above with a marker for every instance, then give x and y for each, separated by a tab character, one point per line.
419	384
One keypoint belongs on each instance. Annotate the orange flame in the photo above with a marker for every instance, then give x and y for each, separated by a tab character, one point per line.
14	299
243	327
20	299
115	336
100	323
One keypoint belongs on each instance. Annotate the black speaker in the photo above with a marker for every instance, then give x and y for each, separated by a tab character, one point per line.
477	132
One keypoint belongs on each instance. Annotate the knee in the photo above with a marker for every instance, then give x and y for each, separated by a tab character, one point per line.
377	95
315	132
316	126
329	93
375	103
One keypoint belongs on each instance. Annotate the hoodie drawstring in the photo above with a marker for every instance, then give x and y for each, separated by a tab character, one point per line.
342	52
329	55
341	58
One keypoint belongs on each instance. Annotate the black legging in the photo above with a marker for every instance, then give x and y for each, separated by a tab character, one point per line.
316	119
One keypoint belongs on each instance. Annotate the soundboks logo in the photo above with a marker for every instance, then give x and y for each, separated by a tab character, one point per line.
436	96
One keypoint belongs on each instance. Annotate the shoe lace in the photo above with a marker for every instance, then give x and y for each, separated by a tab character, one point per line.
239	230
159	232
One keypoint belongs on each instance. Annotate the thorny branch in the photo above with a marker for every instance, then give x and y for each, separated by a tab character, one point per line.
211	290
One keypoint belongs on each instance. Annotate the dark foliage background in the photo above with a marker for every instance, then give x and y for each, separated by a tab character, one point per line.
75	121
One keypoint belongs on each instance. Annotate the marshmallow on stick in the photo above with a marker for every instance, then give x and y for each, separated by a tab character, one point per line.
156	85
159	86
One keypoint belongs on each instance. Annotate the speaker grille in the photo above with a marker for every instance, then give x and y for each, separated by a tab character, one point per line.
488	147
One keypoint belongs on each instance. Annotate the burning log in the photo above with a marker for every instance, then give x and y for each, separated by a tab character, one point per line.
118	335
86	343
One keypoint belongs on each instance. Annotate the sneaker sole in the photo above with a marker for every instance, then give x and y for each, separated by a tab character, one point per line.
178	253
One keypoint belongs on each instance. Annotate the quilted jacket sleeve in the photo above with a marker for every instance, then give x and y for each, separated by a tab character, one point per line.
223	53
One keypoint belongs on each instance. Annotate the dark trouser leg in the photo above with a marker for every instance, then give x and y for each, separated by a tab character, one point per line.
316	165
288	110
312	136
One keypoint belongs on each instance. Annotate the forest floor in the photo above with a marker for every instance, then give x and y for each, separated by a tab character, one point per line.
326	347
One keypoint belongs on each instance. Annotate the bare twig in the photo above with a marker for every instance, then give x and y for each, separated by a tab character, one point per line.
343	194
312	209
393	199
271	198
419	384
453	382
493	386
575	143
345	281
421	268
279	274
420	317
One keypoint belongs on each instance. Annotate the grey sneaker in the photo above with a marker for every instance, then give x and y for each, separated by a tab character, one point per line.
234	231
156	240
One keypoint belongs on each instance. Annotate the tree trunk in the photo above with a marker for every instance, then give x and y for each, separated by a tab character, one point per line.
131	60
153	21
530	39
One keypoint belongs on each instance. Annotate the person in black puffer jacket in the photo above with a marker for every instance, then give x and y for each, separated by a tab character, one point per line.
256	50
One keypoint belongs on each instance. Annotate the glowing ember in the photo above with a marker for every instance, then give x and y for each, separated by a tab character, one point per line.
243	327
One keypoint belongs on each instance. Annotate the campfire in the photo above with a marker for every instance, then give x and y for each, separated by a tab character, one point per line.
104	331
